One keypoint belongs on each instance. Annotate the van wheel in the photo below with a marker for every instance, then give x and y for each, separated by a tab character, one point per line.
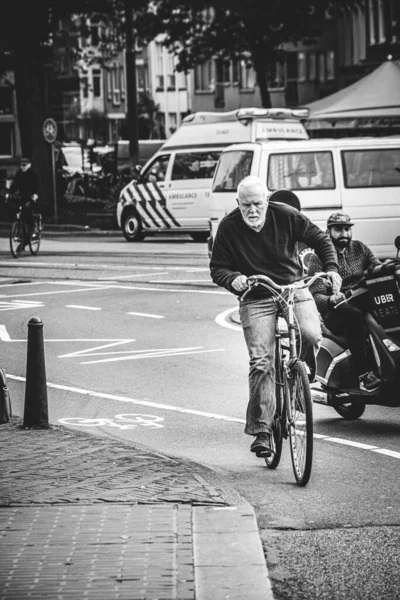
200	236
305	255
132	228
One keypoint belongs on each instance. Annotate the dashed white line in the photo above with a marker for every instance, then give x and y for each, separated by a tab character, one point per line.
138	314
82	307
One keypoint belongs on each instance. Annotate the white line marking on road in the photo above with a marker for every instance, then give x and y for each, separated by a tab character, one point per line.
145	315
349	443
189	411
130	276
387	452
82	307
87	351
180	281
33	302
152	354
221	319
176	291
88	289
133	401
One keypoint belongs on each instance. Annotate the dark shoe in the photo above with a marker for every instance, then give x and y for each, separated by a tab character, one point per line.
369	382
263	445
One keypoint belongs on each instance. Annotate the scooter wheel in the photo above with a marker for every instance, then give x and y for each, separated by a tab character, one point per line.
351	410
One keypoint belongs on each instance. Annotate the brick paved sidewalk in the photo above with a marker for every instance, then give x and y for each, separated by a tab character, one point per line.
87	517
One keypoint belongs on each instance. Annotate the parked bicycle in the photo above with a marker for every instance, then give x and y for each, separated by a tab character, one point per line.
25	231
294	407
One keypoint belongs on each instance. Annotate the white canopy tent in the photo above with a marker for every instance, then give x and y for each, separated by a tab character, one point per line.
374	97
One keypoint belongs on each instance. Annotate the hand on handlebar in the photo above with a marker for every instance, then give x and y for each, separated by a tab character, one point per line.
336	281
34	197
240	283
336	299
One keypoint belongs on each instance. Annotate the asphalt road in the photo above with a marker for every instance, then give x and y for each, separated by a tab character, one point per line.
139	345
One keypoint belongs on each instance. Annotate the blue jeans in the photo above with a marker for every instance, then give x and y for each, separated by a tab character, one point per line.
258	318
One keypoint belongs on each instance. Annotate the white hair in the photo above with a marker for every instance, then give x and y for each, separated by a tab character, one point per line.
252	181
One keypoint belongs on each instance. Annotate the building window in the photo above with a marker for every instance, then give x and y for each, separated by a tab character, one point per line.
116	90
141	76
381	21
321	68
109	84
96	78
223	72
6	139
235	72
94	34
181	80
85	86
170	72
247	77
159	67
301	66
122	81
6	101
203	77
372	22
312	66
276	75
330	65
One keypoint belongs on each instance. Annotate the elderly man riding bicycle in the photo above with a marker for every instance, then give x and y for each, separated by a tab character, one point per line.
261	237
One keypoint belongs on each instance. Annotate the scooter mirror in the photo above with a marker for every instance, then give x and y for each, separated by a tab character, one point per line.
397	242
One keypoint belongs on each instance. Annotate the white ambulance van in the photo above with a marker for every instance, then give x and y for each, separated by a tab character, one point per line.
173	190
358	176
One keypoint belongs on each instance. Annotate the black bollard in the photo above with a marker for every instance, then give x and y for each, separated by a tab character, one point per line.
36	412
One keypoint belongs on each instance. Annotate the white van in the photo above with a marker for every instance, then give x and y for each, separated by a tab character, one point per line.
173	190
359	176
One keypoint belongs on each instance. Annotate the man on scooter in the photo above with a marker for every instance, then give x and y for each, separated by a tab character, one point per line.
342	318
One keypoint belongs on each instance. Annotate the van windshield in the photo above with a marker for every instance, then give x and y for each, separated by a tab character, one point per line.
371	168
231	169
298	170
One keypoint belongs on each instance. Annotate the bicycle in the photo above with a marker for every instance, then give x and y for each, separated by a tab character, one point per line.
294	407
22	234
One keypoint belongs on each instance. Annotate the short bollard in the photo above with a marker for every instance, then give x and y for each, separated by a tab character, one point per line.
35	412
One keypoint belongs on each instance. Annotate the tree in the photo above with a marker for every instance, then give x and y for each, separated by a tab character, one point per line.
251	31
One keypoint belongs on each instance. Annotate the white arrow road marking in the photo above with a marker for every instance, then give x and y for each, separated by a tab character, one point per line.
155	354
88	351
146	315
199	413
4	335
82	307
18	304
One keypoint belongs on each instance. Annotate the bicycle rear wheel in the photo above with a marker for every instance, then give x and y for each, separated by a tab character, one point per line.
34	239
16	241
300	423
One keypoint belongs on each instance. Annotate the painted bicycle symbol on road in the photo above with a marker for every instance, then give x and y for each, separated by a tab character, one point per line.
123	421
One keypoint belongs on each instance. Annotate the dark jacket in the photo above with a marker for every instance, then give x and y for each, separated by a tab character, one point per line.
240	250
353	262
26	183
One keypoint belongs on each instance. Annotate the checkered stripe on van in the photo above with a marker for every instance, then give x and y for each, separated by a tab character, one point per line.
150	204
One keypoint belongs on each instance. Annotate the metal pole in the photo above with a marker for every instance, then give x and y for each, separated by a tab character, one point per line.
53	168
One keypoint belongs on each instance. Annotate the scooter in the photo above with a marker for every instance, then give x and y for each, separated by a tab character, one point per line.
336	381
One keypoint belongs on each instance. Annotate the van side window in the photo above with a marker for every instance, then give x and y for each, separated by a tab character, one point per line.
371	168
157	171
231	169
195	165
301	170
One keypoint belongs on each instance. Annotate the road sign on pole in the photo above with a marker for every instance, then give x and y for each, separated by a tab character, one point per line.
50	135
50	130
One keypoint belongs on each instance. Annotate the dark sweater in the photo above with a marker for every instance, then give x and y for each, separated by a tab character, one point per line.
240	250
353	263
26	183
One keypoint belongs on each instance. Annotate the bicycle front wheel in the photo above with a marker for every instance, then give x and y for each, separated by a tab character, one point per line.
16	241
34	239
300	422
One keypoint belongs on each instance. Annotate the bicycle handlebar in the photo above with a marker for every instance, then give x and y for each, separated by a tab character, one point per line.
255	280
